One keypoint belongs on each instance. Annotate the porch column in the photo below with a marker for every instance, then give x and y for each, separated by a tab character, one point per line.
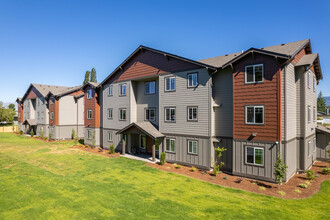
153	151
123	145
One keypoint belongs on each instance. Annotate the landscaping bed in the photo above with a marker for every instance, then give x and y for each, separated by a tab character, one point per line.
96	150
289	190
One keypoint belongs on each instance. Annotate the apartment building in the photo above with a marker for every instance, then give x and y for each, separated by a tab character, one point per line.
54	109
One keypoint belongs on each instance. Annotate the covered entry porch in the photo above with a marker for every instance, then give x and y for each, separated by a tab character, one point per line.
30	125
143	138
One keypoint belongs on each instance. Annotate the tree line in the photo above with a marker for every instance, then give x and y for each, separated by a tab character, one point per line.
7	114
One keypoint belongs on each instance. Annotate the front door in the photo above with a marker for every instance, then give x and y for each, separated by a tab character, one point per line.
149	145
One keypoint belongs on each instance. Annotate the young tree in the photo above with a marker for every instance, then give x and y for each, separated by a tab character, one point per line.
321	106
93	75
87	74
218	163
11	106
280	170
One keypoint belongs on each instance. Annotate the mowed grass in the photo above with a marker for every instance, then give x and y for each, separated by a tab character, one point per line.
53	181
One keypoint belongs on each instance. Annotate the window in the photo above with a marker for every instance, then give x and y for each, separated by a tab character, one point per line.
109	113
110	136
122	114
192	79
110	91
150	87
122	90
309	114
89	134
254	73
192	147
314	84
314	114
192	113
42	115
254	114
89	114
254	155
309	149
150	114
89	94
309	79
170	84
51	101
143	141
170	145
314	144
52	115
170	114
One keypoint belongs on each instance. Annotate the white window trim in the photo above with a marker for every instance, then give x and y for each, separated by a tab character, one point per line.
170	108
314	84
315	144
309	114
254	112
309	150
191	141
149	93
89	137
110	139
89	110
170	77
254	81
171	139
309	79
110	91
120	90
120	119
192	86
51	115
111	113
145	114
192	107
89	96
314	114
254	155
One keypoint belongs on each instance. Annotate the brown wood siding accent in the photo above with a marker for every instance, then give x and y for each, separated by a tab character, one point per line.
76	93
20	112
148	63
91	104
53	108
266	93
33	93
299	55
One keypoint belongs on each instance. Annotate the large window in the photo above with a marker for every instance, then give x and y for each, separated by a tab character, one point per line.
122	114
169	83
192	147
314	114
170	145
309	79
110	136
254	73
254	155
170	114
89	94
150	114
89	114
192	113
254	114
314	84
150	87
309	150
309	114
122	90
110	113
110	91
89	134
192	79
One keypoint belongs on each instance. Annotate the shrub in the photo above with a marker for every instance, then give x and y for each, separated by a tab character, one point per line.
192	169
32	133
282	193
178	166
20	132
325	170
41	133
262	188
302	185
280	170
225	177
73	134
310	174
162	158
50	135
112	149
46	138
216	169
317	175
297	191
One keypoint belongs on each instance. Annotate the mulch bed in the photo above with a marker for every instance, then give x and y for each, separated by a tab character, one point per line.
286	190
96	150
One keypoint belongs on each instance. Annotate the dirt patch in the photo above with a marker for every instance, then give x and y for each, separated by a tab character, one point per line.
96	150
10	165
289	190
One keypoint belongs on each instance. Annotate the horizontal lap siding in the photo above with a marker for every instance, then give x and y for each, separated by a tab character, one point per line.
266	94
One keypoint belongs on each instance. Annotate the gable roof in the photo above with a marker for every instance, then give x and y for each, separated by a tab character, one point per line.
141	47
65	91
93	84
45	89
146	127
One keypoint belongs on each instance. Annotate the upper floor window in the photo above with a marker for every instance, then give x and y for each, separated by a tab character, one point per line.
309	114
192	147
314	113
150	114
109	113
192	79
110	91
52	115
314	140
51	100
122	114
170	83
254	155
254	73
309	150
150	87
170	114
314	84
192	113
170	145
89	114
42	115
122	90
309	79
254	114
89	94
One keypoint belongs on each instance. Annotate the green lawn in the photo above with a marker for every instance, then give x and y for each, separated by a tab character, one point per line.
52	181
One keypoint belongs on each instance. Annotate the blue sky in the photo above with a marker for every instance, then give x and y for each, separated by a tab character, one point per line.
55	42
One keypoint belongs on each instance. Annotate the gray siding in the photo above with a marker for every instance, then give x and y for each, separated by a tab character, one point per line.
322	146
42	109
116	140
291	158
97	136
71	111
183	97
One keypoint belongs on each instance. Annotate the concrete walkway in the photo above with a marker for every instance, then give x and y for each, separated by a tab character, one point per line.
142	157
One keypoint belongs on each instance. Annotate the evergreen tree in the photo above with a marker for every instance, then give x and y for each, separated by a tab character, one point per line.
321	106
93	75
86	77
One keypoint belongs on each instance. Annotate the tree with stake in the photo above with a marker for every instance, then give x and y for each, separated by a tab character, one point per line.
218	163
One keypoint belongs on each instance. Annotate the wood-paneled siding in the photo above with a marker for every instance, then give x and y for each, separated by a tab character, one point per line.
266	93
146	63
183	97
20	112
92	104
53	108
